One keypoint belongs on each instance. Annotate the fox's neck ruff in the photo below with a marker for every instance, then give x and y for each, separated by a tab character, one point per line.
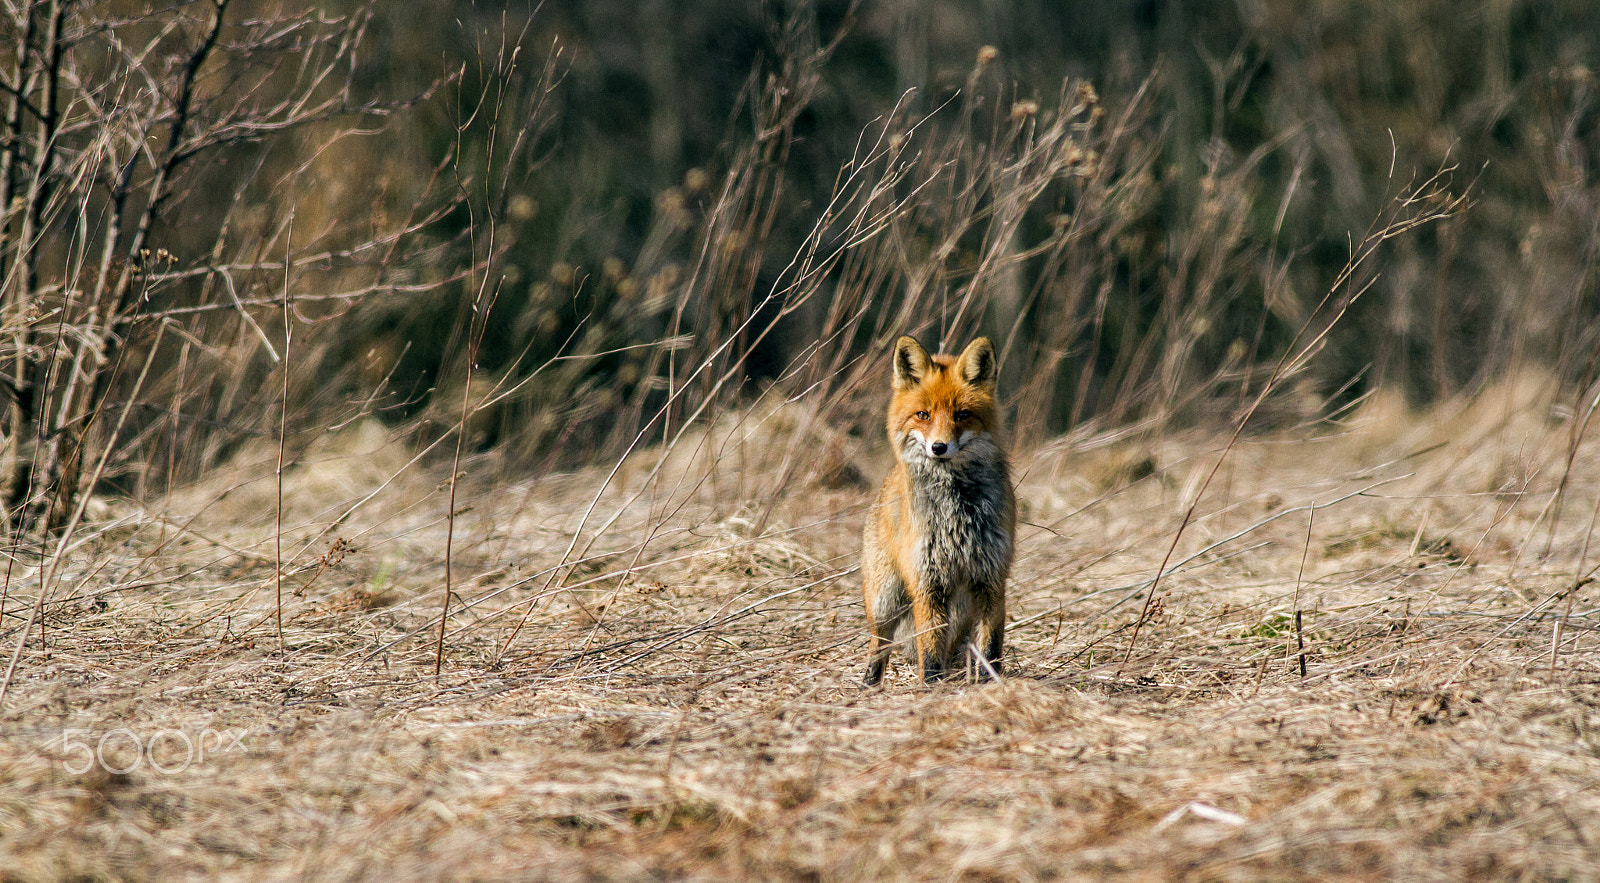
963	505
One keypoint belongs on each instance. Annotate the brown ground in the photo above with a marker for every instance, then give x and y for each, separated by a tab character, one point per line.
687	706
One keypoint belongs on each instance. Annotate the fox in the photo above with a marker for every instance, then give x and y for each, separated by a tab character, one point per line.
938	546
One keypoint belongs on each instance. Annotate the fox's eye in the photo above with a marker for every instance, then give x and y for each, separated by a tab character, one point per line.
963	414
922	415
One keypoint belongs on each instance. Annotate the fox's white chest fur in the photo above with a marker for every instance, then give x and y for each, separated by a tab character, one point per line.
961	507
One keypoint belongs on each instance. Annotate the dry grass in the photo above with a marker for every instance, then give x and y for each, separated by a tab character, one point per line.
681	700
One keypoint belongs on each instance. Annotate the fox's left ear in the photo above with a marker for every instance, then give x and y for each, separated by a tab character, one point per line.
976	365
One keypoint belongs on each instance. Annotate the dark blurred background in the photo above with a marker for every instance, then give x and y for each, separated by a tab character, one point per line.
1300	121
599	219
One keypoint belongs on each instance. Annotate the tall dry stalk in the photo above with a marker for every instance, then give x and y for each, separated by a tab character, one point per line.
516	131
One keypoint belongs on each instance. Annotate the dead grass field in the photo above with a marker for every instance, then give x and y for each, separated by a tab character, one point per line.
685	702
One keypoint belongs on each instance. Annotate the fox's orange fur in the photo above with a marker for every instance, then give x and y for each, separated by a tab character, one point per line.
939	543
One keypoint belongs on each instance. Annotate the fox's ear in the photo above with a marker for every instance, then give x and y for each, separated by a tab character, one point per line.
976	365
911	362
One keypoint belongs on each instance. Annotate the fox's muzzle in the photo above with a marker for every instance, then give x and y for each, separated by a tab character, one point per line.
941	449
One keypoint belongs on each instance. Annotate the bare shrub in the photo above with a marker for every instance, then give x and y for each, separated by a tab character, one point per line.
139	251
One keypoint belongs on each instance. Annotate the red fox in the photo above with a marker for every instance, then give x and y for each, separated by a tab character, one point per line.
939	543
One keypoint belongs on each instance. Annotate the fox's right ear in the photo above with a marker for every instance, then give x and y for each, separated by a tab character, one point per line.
911	362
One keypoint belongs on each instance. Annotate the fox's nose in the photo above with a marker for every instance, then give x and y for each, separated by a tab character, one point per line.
938	448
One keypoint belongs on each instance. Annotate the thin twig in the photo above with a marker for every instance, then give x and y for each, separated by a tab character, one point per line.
1299	579
283	435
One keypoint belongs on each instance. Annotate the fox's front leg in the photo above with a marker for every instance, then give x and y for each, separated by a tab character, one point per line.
931	615
989	638
886	607
877	655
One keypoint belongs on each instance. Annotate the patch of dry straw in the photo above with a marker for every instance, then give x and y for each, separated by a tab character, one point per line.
1375	657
